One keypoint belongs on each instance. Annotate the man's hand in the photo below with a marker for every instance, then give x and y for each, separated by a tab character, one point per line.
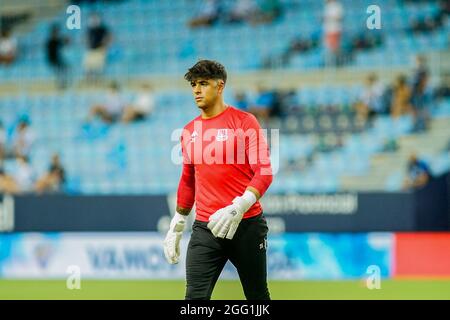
224	222
173	237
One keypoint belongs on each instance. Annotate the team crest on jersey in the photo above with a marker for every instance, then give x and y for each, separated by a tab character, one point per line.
222	135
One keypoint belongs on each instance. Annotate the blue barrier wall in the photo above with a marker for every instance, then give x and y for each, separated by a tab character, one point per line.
425	209
88	213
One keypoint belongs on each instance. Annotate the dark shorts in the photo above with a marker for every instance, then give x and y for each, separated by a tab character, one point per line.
207	255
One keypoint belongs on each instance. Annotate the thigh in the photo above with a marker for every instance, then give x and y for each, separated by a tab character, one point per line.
204	262
248	255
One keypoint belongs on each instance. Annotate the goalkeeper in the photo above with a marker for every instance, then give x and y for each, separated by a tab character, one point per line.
226	169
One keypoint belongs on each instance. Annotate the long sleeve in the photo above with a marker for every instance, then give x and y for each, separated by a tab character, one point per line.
257	151
186	186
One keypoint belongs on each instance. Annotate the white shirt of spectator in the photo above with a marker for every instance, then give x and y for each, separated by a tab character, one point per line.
2	137
371	96
333	17
24	176
8	46
209	8
244	7
114	103
145	102
23	141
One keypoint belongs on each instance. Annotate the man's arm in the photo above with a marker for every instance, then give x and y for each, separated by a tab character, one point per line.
257	151
186	186
185	202
183	211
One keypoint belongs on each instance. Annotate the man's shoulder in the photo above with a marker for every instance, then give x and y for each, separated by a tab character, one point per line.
243	115
190	124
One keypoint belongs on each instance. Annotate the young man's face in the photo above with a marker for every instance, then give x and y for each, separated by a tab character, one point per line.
206	92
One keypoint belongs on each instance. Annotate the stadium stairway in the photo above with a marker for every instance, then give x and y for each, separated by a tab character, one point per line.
387	169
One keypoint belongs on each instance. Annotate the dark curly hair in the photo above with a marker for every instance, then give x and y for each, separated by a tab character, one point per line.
206	69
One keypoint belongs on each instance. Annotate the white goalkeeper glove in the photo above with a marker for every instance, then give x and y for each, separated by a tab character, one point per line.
224	222
173	237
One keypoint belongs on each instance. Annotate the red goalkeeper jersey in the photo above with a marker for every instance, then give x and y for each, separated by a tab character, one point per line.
222	156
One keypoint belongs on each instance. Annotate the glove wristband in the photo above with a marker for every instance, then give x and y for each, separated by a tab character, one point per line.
176	219
245	201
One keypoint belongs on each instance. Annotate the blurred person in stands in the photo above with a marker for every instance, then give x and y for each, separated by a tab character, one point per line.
23	174
142	107
3	148
208	15
23	139
53	180
299	45
401	97
54	46
98	41
442	90
241	100
112	107
243	11
269	11
8	47
7	183
418	173
419	95
261	107
370	102
332	29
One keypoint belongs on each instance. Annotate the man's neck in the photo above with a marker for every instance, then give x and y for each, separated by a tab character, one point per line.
213	110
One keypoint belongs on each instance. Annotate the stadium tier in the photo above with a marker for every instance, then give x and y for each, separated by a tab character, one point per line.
129	158
140	48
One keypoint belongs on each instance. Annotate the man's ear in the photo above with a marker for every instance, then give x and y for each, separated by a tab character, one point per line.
220	85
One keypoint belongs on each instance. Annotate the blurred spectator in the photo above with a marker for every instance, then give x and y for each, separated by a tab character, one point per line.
23	139
424	24
401	97
208	15
53	180
8	47
3	149
366	40
55	59
299	45
370	102
112	108
261	108
7	183
419	94
142	107
23	174
289	103
98	40
418	173
269	11
243	11
332	27
443	89
241	101
432	22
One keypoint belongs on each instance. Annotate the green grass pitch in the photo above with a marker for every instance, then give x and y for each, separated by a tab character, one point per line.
225	290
